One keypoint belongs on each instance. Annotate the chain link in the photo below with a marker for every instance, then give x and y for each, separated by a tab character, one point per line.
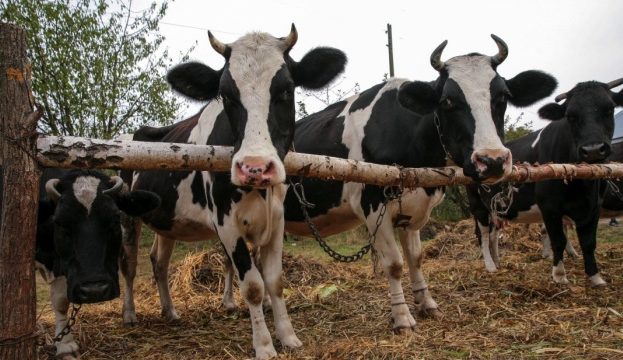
443	146
390	193
502	200
70	323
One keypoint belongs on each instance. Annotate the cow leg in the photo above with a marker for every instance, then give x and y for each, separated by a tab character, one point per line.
555	231
251	288
67	348
228	290
391	263
160	256
587	234
131	228
494	245
412	249
271	267
569	248
547	244
485	246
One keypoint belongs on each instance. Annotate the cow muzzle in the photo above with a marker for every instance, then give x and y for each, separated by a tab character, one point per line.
257	172
594	152
492	164
94	292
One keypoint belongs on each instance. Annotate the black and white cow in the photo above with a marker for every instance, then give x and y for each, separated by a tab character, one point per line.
457	117
252	108
79	238
582	132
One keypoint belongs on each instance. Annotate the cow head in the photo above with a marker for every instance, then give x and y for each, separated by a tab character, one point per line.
256	85
468	101
589	110
87	231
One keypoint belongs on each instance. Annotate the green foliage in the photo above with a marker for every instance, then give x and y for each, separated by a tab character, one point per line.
454	207
97	66
514	129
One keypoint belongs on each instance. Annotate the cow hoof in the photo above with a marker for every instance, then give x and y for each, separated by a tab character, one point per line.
171	316
403	330
265	352
491	267
597	281
433	313
129	319
229	306
561	280
291	342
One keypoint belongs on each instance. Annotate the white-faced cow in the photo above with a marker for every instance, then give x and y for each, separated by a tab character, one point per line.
582	132
456	118
244	208
79	238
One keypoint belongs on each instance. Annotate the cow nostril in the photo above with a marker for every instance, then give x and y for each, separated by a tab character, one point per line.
269	168
583	152
603	149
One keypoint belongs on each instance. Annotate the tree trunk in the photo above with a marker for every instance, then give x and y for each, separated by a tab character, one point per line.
20	180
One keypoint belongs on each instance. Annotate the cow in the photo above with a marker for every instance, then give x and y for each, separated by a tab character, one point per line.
251	107
454	119
79	236
580	131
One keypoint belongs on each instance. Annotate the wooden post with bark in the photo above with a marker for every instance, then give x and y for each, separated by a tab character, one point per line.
20	195
74	152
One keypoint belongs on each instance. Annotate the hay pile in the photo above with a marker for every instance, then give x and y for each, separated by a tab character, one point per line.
341	311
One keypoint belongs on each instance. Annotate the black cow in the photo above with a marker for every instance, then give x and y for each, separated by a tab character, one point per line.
457	117
582	132
79	238
252	108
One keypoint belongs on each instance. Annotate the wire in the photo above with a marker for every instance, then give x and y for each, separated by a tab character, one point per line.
197	28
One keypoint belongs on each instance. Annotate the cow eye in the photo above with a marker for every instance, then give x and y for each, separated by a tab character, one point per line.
609	112
286	95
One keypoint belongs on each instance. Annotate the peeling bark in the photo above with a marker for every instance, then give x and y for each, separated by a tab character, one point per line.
69	152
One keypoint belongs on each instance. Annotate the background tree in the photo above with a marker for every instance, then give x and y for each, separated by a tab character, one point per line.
98	69
319	99
514	129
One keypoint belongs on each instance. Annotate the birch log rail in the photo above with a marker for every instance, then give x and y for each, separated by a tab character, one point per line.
74	152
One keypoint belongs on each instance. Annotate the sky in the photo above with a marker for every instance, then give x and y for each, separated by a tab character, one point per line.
574	40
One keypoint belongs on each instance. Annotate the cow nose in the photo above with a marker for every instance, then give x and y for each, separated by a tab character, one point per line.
594	152
492	164
255	171
94	291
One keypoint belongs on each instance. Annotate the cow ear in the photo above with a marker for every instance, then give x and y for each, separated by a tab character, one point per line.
195	80
318	67
138	202
530	86
418	96
553	111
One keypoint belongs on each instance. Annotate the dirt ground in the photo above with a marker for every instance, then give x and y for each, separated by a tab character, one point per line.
341	311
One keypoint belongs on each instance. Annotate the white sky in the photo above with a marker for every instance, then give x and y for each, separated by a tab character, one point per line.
574	40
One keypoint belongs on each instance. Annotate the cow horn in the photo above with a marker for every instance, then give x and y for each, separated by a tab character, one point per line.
615	83
218	46
499	58
435	57
291	39
116	187
560	97
50	188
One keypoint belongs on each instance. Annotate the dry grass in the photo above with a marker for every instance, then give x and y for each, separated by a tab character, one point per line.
514	314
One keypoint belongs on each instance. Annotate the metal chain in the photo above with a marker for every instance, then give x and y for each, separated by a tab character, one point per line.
615	189
389	194
501	202
443	146
70	323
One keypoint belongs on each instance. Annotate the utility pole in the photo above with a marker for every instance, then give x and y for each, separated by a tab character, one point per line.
390	48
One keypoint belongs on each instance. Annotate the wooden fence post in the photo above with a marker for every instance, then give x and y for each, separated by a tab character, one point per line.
20	196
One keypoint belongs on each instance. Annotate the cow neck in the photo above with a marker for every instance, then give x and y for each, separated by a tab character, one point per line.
428	150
